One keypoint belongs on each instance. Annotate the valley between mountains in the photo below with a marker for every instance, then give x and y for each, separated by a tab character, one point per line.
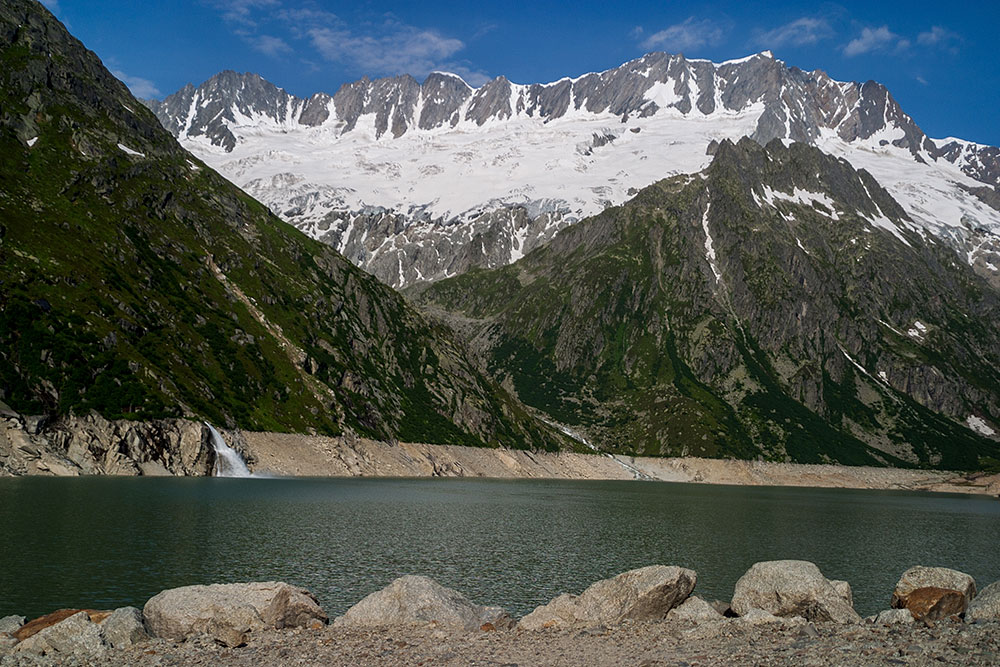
670	258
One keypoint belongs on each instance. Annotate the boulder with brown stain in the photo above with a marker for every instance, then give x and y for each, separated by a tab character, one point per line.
933	604
229	612
35	626
936	577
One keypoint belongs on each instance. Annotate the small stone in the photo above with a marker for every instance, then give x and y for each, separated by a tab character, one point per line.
695	610
809	630
894	617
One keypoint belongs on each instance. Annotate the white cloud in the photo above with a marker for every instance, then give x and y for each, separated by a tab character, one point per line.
241	11
396	50
52	5
690	34
267	44
802	31
941	37
141	88
873	40
386	48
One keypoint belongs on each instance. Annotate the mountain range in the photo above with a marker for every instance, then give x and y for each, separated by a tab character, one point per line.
421	181
777	304
671	257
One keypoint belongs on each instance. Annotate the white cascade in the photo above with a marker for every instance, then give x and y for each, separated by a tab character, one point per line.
228	462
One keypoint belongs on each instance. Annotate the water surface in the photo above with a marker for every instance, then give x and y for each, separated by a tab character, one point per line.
108	542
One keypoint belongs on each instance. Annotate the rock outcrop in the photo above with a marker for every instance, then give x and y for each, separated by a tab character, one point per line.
417	600
647	593
92	445
792	588
230	612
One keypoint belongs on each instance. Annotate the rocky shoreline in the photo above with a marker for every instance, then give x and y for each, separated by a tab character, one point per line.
92	445
781	613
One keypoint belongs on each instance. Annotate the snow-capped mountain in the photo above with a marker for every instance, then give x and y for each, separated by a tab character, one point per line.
421	181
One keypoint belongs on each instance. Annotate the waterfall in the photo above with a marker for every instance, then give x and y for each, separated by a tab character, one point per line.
632	470
228	462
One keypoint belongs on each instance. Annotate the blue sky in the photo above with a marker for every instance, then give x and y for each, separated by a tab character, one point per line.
939	60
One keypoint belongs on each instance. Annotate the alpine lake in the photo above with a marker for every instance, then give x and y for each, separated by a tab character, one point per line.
109	542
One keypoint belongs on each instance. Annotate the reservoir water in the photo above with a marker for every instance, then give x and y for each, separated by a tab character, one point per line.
109	542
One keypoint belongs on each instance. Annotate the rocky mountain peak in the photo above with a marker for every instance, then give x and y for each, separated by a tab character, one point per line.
534	158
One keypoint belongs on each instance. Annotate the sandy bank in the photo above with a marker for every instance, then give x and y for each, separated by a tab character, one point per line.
318	456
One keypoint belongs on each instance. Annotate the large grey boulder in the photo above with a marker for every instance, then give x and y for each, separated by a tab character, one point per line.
647	593
417	600
792	588
76	635
229	612
124	627
937	577
986	606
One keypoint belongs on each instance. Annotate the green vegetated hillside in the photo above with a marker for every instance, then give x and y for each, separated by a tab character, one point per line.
137	282
831	332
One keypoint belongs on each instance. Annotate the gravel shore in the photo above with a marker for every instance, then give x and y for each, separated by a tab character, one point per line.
729	642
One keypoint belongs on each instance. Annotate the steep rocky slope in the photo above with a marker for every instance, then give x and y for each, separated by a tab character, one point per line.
778	304
420	181
137	282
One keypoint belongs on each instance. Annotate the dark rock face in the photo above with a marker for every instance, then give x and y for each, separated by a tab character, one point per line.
443	97
222	98
92	445
432	251
767	307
